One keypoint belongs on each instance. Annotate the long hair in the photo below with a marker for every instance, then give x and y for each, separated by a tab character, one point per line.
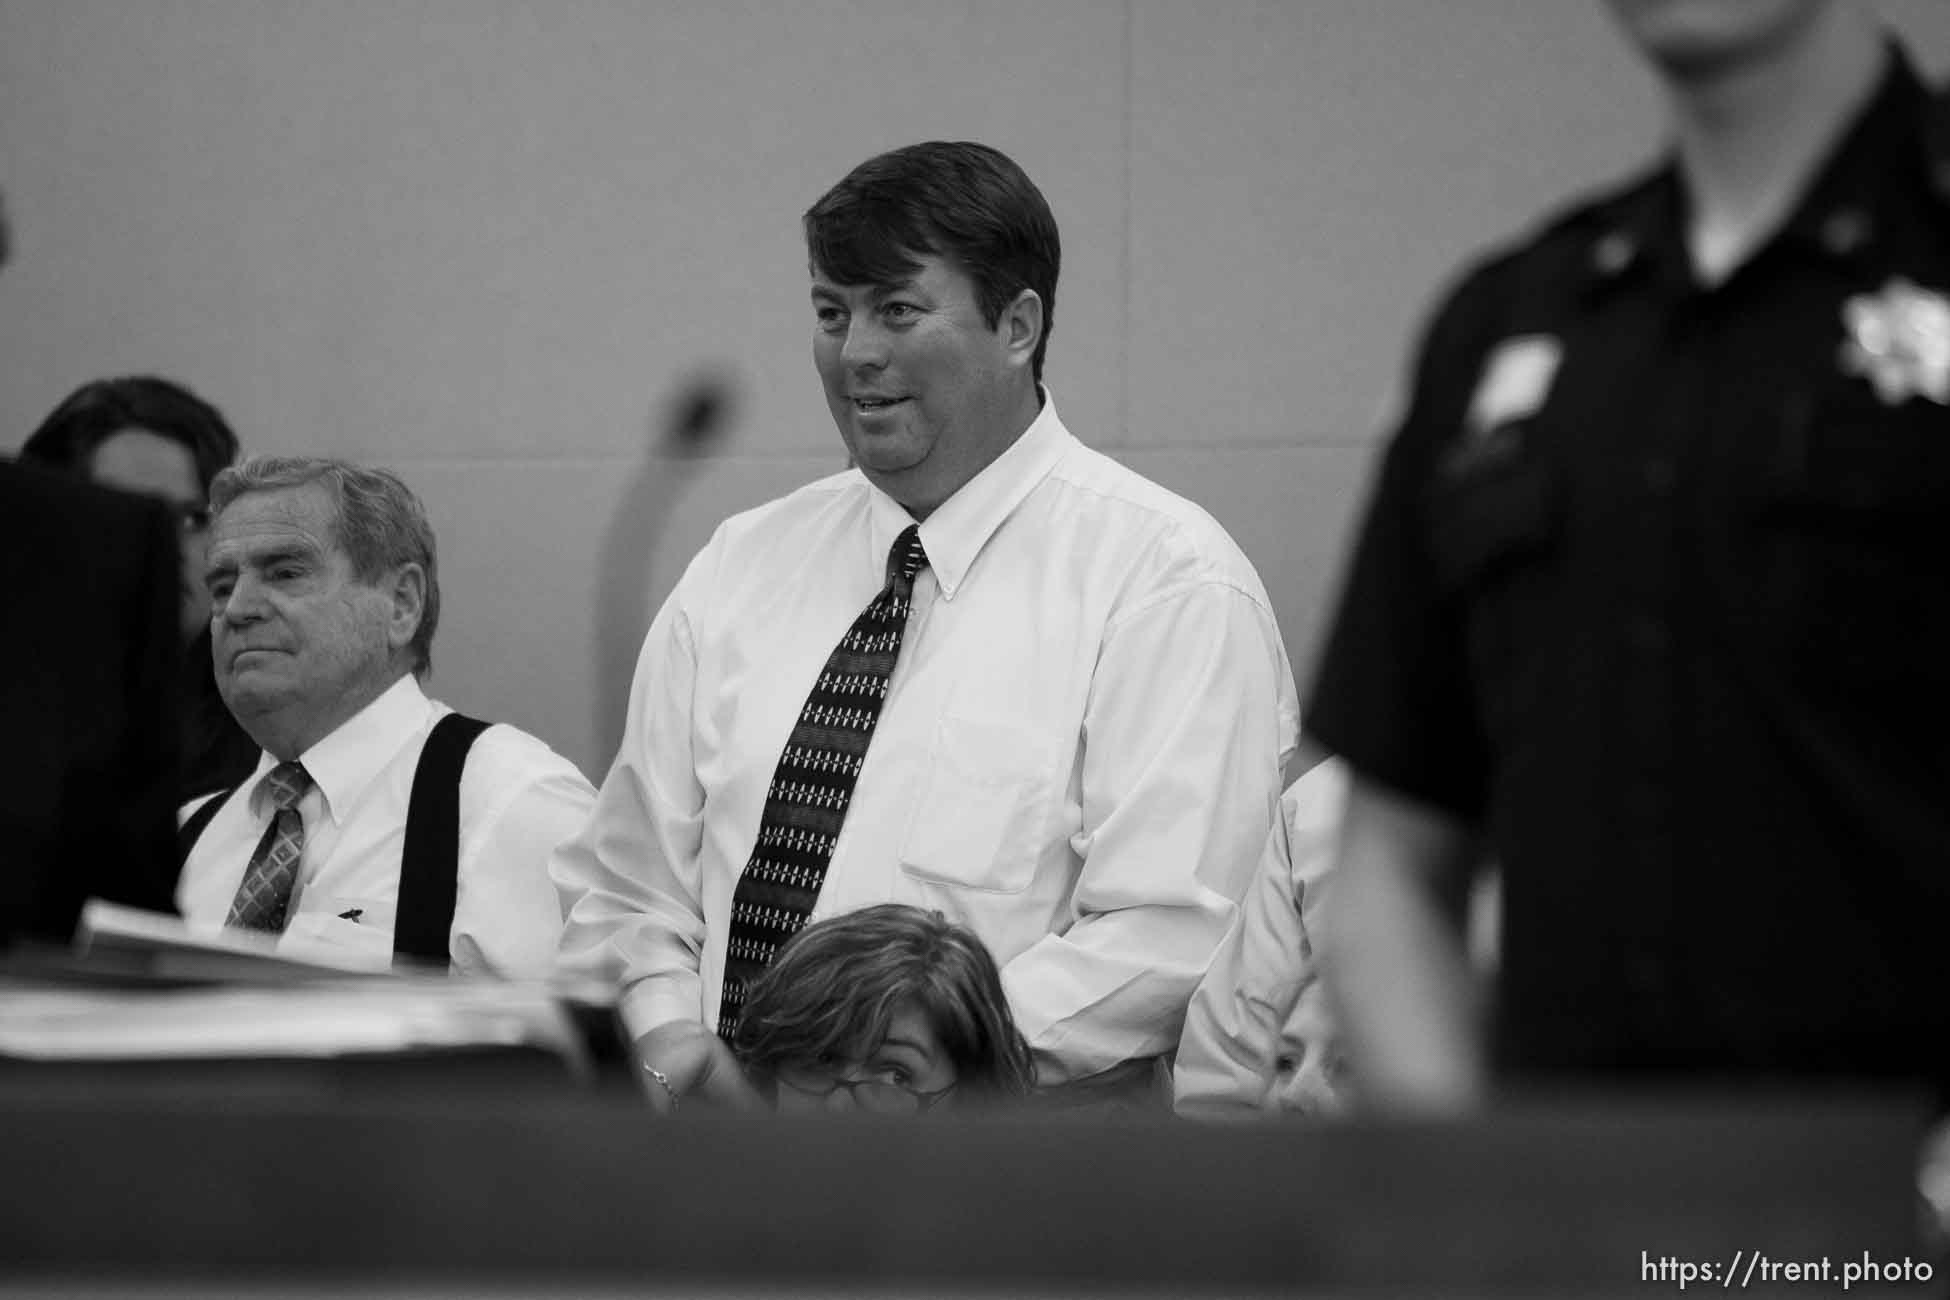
833	990
380	523
102	408
965	202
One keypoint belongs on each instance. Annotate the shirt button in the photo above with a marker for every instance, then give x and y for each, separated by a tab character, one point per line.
1845	231
1658	475
1648	633
1645	975
1644	802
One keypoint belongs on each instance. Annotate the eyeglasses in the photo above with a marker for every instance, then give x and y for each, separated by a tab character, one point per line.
879	1096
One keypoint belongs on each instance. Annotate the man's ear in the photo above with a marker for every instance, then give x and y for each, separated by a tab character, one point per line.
408	592
1021	326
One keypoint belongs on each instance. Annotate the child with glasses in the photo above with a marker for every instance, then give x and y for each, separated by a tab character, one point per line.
889	1009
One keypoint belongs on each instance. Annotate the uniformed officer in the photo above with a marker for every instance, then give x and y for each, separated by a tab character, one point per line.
1652	603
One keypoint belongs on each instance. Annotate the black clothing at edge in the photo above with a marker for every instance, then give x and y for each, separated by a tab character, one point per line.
1672	627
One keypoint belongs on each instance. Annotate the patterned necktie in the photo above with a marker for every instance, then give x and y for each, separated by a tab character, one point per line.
265	892
813	783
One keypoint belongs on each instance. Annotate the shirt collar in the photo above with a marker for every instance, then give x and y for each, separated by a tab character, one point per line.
955	533
1883	147
344	763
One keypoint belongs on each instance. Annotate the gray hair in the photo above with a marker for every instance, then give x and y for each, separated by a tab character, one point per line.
380	522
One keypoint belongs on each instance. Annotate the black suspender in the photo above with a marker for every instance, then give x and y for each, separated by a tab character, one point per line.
192	828
429	865
429	868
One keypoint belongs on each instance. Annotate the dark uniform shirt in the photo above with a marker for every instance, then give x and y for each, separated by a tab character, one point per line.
1655	590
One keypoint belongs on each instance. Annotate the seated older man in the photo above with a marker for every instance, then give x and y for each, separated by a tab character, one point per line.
379	824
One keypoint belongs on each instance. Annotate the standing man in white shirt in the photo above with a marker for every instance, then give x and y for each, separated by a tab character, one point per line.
1077	718
325	597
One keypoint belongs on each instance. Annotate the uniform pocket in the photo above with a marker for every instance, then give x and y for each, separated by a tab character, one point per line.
1847	462
1492	508
974	822
1846	546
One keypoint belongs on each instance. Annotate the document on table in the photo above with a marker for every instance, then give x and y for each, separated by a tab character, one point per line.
316	1019
142	986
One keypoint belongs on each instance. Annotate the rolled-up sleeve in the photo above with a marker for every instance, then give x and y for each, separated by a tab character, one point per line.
629	881
530	799
1191	716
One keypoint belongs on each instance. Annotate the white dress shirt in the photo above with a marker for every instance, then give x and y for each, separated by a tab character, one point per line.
1078	756
518	800
1260	1033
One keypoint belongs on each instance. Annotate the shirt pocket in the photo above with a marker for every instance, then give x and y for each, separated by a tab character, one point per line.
1846	546
352	932
1495	511
1845	462
973	824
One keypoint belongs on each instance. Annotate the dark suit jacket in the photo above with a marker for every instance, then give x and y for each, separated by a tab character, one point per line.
88	701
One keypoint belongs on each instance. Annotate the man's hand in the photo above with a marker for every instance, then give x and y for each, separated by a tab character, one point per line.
694	1062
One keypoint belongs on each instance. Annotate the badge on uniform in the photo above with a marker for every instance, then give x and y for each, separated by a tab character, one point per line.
1516	379
1899	339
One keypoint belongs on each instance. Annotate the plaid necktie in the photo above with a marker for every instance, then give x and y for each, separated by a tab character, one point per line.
813	783
265	892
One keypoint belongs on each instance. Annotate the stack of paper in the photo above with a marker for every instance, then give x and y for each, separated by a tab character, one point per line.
143	987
